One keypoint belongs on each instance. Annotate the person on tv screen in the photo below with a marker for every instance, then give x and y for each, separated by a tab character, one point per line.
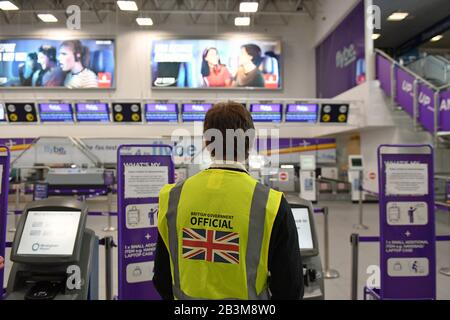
214	73
27	69
50	75
248	74
72	58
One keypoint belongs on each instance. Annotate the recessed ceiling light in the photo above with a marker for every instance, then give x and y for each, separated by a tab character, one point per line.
47	17
398	16
436	38
144	21
248	6
127	5
242	21
375	36
8	5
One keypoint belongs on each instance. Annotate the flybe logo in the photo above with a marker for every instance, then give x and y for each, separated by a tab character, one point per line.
445	105
345	56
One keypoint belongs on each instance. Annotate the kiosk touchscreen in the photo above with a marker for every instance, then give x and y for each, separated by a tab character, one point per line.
355	176
303	214
50	246
308	177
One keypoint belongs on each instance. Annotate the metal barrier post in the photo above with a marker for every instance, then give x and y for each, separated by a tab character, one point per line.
415	104
109	244
393	85
110	227
354	240
16	208
328	273
360	225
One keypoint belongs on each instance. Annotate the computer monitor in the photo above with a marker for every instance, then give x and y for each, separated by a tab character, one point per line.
266	112
92	112
195	111
307	238
55	112
301	112
161	112
355	162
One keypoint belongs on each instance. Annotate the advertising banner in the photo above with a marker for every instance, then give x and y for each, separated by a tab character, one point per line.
404	90
4	187
426	107
448	192
340	58
407	229
444	108
141	175
383	70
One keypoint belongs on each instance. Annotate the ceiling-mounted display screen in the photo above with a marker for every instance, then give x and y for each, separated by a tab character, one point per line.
214	63
2	113
55	112
195	111
161	112
21	112
47	63
266	112
301	112
92	112
334	113
127	112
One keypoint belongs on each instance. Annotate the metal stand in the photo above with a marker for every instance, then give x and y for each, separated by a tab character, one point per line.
110	227
360	225
328	273
109	244
354	240
16	207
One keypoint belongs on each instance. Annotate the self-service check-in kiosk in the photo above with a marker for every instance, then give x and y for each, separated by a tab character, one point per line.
355	176
55	256
307	177
309	248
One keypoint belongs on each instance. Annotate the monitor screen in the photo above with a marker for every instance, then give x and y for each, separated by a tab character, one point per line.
301	112
55	112
21	112
195	111
266	112
50	63
216	63
92	112
356	162
50	233
301	217
161	112
2	113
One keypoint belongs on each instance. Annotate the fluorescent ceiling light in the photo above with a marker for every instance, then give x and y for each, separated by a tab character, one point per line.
398	16
144	21
248	6
242	21
47	17
436	38
127	5
375	36
8	5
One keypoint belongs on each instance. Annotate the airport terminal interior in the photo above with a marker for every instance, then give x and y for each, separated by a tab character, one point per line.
102	103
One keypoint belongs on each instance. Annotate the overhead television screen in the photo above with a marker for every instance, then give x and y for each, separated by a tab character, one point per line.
195	111
92	112
55	112
301	112
266	112
216	63
48	63
161	112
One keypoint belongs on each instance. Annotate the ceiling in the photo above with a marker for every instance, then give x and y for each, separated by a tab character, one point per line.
191	11
422	15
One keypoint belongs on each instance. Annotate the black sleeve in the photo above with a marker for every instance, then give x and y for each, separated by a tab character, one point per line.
285	264
162	278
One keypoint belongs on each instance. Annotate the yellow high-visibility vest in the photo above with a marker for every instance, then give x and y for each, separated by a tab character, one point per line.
217	226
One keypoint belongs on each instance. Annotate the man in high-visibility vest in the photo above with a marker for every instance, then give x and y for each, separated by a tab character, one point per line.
223	235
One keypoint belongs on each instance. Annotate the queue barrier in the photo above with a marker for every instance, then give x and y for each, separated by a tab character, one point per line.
355	240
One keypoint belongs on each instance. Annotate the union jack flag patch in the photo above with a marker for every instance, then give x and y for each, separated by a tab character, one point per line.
211	245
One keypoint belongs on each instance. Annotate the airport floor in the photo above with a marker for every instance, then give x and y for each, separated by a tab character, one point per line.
342	216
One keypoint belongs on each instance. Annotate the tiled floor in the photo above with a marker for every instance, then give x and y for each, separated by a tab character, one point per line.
342	217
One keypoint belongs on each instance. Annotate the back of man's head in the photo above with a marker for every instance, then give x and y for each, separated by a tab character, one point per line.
229	131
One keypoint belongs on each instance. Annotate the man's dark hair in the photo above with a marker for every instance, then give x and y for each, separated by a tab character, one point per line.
49	51
230	116
255	52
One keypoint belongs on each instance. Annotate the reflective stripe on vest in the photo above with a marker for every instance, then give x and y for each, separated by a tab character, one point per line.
254	245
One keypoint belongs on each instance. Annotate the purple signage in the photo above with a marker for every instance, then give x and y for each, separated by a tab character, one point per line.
55	112
426	107
383	70
92	112
266	112
141	176
340	63
195	111
404	90
161	112
301	112
407	226
4	187
444	111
